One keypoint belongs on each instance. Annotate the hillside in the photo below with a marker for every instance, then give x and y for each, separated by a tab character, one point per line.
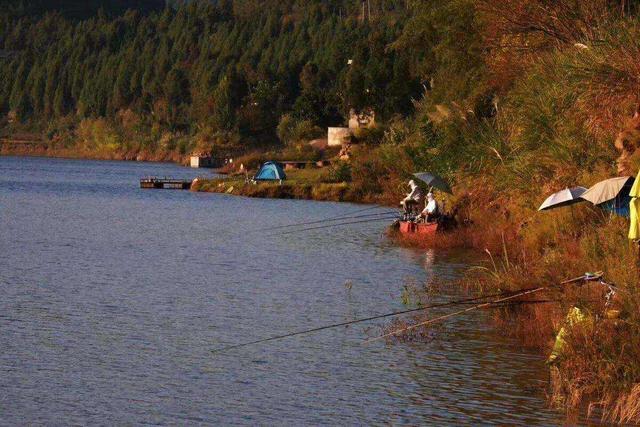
216	73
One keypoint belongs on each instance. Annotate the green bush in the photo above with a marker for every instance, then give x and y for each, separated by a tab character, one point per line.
292	130
98	134
369	136
339	172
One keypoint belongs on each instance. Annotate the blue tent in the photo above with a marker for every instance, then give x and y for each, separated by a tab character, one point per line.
611	195
620	205
270	171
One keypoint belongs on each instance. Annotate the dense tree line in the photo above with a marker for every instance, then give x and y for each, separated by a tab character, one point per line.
224	67
77	9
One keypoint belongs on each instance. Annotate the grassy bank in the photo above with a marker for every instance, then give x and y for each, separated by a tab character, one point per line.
289	190
309	184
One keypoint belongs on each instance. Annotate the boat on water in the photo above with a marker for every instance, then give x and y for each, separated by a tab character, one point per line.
412	225
421	228
433	218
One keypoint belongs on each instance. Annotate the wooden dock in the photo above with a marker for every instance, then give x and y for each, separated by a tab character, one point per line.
165	183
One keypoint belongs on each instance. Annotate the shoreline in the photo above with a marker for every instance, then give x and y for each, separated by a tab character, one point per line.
516	258
74	153
324	192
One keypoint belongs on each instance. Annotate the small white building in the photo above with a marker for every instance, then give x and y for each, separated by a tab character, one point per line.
337	137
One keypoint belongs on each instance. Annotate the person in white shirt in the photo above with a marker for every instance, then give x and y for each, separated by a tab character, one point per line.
431	210
413	199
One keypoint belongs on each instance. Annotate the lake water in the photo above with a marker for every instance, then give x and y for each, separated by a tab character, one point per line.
112	299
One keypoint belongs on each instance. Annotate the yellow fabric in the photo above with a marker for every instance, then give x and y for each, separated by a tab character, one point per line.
574	317
635	190
634	210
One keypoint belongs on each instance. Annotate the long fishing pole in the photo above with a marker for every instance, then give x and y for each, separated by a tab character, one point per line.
503	297
446	316
366	319
588	277
337	219
333	225
350	215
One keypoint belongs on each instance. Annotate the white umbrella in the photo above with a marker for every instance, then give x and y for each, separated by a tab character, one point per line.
606	190
565	197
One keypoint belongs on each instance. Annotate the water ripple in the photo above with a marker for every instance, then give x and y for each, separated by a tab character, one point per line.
113	298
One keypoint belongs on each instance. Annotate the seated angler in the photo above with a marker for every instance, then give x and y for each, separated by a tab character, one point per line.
413	199
431	211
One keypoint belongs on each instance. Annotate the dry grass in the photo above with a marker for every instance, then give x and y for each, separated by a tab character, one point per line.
600	367
624	408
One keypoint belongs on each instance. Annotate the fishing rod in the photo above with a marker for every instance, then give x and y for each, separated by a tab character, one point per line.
332	218
366	319
350	215
578	280
387	218
446	316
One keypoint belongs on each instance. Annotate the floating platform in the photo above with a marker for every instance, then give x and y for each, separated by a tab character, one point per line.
165	183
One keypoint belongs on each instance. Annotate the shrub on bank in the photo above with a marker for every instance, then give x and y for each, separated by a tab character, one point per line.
292	130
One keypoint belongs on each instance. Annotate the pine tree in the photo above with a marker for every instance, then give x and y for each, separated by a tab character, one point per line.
18	100
122	88
37	79
59	102
223	116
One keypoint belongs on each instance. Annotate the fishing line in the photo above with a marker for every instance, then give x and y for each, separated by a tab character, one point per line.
332	218
350	215
351	322
333	225
341	219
